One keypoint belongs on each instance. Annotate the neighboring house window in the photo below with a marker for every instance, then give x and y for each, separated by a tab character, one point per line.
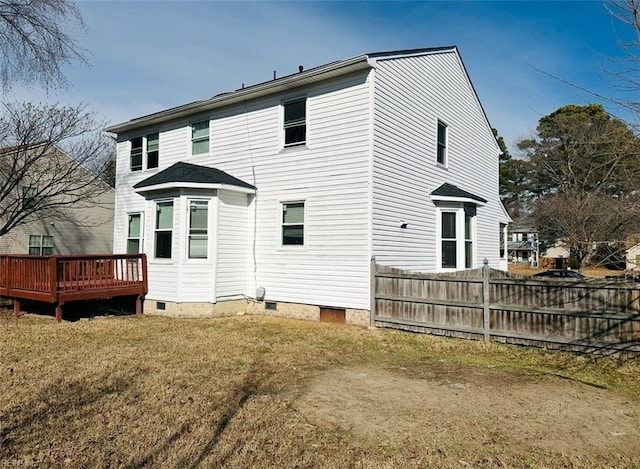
41	245
136	154
295	122
449	240
198	229
502	239
28	197
442	143
293	223
200	138
164	229
134	234
153	150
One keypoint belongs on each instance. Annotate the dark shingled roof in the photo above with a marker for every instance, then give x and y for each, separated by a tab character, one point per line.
449	190
187	172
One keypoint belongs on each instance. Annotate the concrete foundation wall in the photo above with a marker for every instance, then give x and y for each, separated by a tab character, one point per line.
357	317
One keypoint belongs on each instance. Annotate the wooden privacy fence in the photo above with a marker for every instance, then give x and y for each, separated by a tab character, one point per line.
58	279
490	304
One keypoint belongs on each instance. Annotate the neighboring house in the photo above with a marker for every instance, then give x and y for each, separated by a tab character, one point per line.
85	227
286	189
523	244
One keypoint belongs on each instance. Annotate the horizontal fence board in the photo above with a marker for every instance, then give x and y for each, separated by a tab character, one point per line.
574	315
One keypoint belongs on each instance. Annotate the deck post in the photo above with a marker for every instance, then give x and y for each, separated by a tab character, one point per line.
59	312
16	308
139	300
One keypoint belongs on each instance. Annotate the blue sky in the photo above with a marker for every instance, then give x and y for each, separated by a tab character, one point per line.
147	56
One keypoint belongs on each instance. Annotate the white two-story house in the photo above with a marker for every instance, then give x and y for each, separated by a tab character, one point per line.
274	198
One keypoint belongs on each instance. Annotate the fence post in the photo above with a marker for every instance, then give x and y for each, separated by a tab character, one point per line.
372	292
485	299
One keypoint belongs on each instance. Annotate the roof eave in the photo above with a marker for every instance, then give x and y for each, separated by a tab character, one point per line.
193	185
281	84
465	200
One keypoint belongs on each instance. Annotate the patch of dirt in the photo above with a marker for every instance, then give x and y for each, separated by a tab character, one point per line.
469	408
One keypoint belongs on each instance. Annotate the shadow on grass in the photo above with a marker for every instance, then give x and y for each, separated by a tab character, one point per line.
87	309
24	424
253	383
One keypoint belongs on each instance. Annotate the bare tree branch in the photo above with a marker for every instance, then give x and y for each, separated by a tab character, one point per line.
49	157
35	42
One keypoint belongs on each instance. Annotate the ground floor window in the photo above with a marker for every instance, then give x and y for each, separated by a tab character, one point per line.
163	230
41	245
198	229
293	223
457	236
134	234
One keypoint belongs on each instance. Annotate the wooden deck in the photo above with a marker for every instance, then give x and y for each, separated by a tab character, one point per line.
59	279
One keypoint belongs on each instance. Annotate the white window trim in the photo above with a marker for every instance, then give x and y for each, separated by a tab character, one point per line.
187	234
192	140
141	237
445	163
164	260
305	239
458	209
283	103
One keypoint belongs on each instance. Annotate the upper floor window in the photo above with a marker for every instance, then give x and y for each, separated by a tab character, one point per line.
134	234
153	150
295	122
200	138
293	223
41	245
28	197
198	229
164	230
441	156
136	154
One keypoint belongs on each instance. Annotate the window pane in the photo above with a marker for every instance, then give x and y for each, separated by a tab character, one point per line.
133	246
198	215
293	235
47	251
134	226
296	134
47	241
136	154
198	247
293	213
200	130
34	240
442	134
34	251
448	225
164	216
467	226
468	254
200	146
152	159
295	112
441	154
153	142
449	254
163	244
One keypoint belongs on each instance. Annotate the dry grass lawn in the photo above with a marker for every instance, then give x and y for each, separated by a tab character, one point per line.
263	392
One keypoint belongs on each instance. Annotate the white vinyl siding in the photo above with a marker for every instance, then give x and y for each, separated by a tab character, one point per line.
418	92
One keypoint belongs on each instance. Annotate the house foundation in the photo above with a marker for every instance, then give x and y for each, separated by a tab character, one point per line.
359	317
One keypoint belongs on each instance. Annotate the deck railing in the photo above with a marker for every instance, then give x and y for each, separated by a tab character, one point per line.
56	279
